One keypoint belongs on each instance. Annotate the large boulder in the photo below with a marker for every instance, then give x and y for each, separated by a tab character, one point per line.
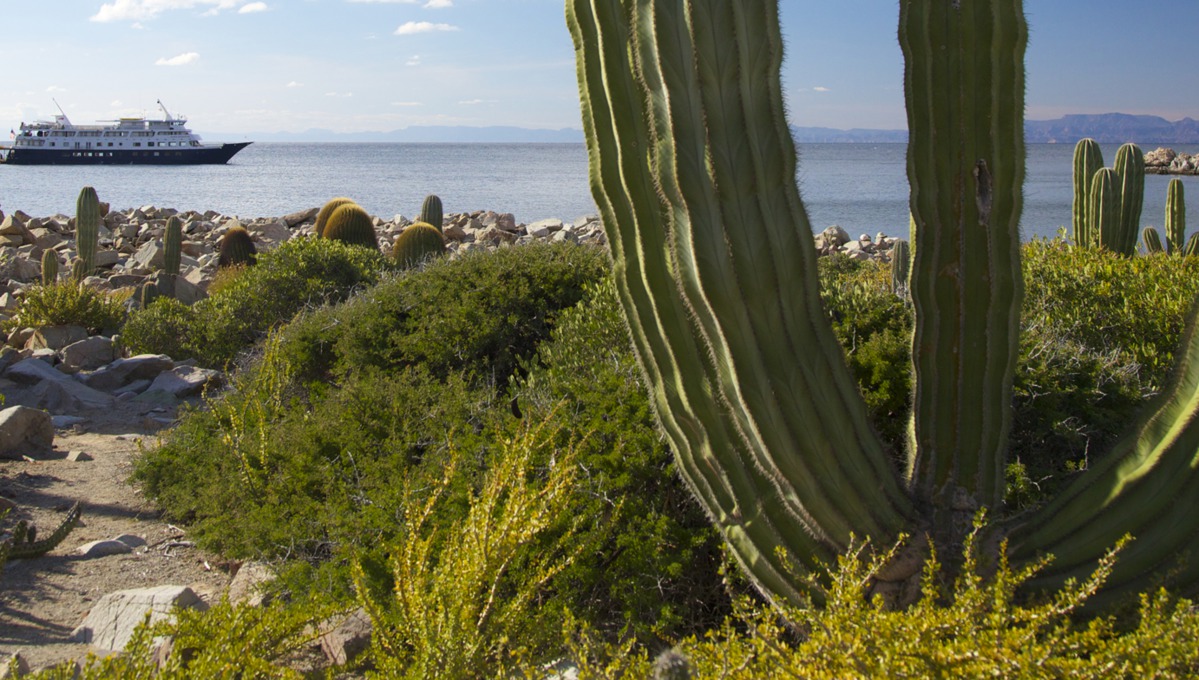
110	624
124	371
24	429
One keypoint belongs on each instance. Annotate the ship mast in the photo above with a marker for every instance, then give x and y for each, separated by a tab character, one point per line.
164	109
66	121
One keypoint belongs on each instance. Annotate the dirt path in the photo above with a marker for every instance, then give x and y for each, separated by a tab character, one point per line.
43	599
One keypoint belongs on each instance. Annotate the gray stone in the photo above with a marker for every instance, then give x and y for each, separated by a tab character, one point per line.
298	218
65	422
79	456
32	370
103	548
543	228
124	371
20	336
110	623
13	663
271	231
835	236
185	381
68	396
56	337
343	640
88	354
24	429
149	256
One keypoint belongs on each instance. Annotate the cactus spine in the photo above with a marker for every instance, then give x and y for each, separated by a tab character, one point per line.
417	243
322	216
1130	169
350	224
901	267
236	248
430	211
49	267
1152	241
87	228
1088	158
1176	216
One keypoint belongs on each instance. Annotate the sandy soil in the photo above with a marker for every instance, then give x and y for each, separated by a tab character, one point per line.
43	599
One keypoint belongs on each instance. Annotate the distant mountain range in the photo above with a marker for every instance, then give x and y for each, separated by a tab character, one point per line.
1113	128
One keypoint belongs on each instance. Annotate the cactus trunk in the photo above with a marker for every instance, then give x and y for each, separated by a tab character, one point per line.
720	286
966	171
1152	241
1104	211
901	267
430	211
172	254
87	228
1130	169
49	267
1088	158
1176	216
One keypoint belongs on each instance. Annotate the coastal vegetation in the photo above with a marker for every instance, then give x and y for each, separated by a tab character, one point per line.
680	458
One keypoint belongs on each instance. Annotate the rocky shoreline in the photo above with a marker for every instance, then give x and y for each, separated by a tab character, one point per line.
1163	161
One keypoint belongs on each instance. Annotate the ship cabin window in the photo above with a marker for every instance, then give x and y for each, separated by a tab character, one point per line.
137	143
149	143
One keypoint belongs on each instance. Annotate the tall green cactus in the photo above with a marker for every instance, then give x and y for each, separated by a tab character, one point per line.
1104	211
901	267
1088	158
87	228
1130	167
430	211
1176	216
172	253
714	263
1152	241
49	267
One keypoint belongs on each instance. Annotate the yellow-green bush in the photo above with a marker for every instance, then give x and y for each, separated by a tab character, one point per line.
68	303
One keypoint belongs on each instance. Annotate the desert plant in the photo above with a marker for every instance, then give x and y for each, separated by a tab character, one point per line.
1152	241
418	242
172	253
87	228
1176	216
352	225
1104	211
322	215
750	386
1088	158
148	294
67	303
237	248
49	267
430	211
901	267
78	270
1130	166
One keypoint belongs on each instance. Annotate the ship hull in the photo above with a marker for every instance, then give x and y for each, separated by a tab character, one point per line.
213	155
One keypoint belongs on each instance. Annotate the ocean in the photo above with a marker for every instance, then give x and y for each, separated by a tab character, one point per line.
862	187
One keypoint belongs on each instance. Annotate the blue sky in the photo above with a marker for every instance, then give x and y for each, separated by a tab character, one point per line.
241	66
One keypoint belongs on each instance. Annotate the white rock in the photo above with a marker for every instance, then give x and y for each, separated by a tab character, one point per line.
184	381
110	623
23	429
88	354
124	371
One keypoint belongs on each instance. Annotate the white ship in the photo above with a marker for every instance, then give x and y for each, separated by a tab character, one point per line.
126	141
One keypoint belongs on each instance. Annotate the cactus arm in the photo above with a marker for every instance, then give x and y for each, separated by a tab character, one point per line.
431	211
1130	168
1147	486
49	267
1104	211
1152	241
1088	158
1176	217
172	253
966	171
19	546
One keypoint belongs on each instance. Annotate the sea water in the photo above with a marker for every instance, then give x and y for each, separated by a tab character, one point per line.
862	187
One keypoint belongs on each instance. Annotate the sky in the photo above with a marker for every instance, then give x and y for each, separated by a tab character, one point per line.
236	67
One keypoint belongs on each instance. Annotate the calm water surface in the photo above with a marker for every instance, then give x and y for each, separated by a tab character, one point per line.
862	187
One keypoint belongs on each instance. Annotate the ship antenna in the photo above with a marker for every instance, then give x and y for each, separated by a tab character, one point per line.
64	113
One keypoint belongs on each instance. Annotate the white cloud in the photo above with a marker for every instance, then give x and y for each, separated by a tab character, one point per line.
295	84
341	95
407	104
438	4
820	89
55	88
414	27
476	102
141	10
252	8
414	60
179	59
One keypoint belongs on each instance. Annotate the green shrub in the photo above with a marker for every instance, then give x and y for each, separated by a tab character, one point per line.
300	273
68	303
654	570
480	313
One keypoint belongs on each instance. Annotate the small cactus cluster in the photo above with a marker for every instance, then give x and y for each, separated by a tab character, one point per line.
1108	201
422	239
322	217
237	249
1176	241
